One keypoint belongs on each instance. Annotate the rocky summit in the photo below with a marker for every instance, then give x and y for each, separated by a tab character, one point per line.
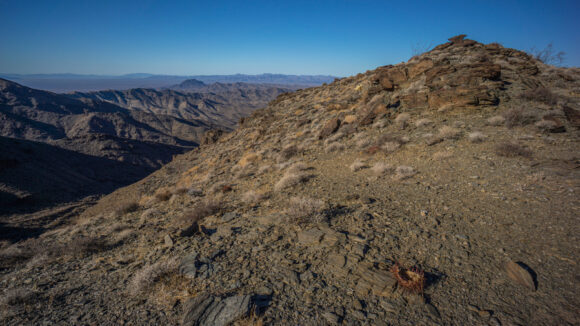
439	191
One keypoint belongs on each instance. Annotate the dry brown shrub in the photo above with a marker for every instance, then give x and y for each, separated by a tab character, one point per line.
512	150
304	209
127	208
287	153
202	209
518	117
540	94
163	194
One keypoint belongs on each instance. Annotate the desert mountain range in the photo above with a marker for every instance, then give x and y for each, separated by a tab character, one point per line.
439	191
140	128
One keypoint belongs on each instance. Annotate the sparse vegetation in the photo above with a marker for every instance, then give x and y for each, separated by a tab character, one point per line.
512	150
202	209
358	165
545	125
381	168
540	94
497	120
127	208
402	119
518	117
334	147
548	55
423	122
447	132
476	137
151	274
304	209
291	179
252	197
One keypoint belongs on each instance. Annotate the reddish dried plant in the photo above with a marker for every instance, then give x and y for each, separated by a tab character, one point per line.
412	279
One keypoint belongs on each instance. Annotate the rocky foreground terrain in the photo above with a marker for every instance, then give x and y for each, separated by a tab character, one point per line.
440	191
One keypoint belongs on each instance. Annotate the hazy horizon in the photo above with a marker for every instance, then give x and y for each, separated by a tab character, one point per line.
339	38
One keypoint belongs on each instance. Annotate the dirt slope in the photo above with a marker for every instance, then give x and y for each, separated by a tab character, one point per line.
462	162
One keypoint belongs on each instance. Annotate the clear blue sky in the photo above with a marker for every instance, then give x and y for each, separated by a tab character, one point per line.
341	37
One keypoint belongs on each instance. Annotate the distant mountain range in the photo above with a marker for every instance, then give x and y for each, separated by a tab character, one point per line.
64	83
107	132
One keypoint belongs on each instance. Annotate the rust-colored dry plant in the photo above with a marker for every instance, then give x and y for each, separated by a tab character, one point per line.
412	279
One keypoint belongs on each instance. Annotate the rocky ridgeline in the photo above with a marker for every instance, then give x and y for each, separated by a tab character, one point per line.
461	163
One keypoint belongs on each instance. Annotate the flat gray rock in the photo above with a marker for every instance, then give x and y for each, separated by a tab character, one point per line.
209	310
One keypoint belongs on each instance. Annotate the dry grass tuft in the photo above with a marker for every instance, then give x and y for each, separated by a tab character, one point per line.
404	172
476	137
447	132
163	194
497	120
545	125
358	165
442	155
252	197
287	153
512	150
390	146
334	147
291	179
381	168
423	122
127	208
151	274
402	119
304	209
204	208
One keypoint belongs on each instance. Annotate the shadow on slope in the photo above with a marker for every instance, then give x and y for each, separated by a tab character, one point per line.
36	175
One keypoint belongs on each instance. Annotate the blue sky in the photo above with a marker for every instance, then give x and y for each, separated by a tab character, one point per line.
341	37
